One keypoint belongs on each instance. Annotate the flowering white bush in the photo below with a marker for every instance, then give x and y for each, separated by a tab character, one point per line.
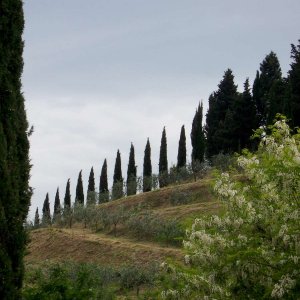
252	251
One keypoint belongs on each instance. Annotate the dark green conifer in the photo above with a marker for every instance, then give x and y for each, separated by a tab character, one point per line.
36	218
219	117
15	192
292	106
131	173
46	211
79	198
91	196
57	207
197	136
181	156
147	169
266	85
117	189
67	199
163	160
103	185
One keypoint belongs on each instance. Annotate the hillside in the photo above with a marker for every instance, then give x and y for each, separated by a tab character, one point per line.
180	203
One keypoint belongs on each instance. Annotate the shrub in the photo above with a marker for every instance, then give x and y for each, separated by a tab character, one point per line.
69	282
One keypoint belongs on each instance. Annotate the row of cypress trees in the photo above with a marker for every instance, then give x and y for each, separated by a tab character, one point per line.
230	121
131	182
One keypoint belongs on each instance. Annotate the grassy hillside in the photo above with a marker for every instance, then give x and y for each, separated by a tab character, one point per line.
150	231
181	203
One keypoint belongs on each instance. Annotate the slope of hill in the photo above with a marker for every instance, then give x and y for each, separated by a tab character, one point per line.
181	203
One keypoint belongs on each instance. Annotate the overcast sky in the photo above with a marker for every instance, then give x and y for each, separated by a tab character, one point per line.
99	75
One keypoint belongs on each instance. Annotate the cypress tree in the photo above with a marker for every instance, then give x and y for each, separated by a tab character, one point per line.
103	185
220	116
57	207
79	199
265	84
197	136
67	199
36	218
46	211
293	105
117	189
91	197
240	121
181	156
163	160
147	170
14	148
131	173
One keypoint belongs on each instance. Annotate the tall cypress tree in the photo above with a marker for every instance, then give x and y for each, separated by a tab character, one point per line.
197	136
91	196
117	189
103	185
293	105
181	156
46	211
79	198
147	170
163	160
131	173
244	119
57	207
67	199
14	148
268	84
36	218
219	116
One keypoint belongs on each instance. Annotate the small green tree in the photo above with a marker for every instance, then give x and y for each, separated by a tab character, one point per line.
147	170
163	161
46	211
36	223
197	136
252	250
103	185
117	189
91	195
57	208
131	173
67	198
181	157
79	198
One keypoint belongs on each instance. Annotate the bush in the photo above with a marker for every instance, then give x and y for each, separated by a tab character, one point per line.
252	251
69	282
132	277
147	225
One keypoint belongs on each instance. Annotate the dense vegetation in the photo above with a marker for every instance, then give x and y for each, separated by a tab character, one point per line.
252	251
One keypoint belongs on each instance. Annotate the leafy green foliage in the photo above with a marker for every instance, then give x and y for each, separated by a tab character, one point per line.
69	282
252	250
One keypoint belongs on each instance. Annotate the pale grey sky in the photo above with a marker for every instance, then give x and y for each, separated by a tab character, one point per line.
99	75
